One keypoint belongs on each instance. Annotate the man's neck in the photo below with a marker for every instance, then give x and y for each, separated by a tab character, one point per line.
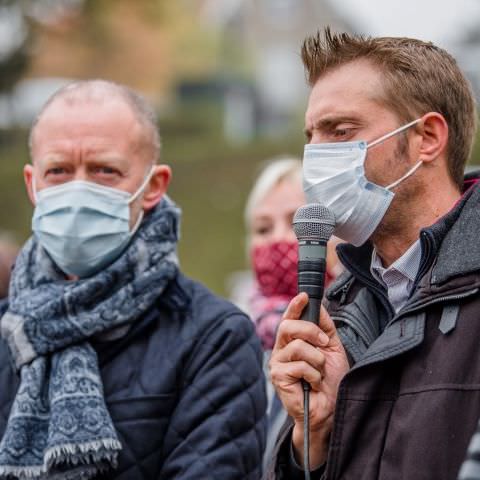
393	245
391	250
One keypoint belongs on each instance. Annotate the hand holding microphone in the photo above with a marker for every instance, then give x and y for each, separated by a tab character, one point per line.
307	346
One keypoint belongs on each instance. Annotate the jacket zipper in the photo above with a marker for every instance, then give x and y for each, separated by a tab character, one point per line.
445	298
344	290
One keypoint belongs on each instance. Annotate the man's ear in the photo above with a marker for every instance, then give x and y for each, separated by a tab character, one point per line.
434	132
28	178
157	186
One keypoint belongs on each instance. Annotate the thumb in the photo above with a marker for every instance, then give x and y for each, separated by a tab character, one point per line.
326	323
296	306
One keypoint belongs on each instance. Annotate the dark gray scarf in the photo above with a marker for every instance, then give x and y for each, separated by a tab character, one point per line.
59	425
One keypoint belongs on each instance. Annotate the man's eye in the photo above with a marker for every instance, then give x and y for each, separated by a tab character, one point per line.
105	170
341	132
56	171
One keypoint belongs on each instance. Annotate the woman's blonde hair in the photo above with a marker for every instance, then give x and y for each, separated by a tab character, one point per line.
274	172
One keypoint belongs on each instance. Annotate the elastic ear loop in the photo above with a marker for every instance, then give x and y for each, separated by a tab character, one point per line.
142	186
34	189
136	195
391	134
410	172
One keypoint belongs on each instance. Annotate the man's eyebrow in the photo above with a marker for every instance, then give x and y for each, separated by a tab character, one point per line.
327	123
52	159
107	158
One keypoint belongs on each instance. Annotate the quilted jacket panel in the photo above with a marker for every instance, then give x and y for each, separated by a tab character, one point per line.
184	387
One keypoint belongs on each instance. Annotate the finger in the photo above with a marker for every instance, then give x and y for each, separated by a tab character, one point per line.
289	330
296	307
286	374
301	350
326	323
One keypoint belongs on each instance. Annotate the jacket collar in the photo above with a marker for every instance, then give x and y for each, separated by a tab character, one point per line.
457	239
453	239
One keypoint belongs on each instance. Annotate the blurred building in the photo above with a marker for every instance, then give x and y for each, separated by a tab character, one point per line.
272	32
78	39
239	59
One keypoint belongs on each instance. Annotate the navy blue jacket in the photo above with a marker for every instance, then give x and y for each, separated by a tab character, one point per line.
184	387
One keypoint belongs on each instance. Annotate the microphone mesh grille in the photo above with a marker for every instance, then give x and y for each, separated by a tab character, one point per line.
313	221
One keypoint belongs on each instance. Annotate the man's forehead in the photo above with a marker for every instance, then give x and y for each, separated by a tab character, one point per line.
348	91
79	102
112	116
97	110
100	138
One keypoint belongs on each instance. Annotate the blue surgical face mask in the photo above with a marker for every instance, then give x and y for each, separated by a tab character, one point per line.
84	226
334	175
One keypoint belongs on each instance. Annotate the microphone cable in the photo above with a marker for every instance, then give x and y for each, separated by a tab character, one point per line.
306	429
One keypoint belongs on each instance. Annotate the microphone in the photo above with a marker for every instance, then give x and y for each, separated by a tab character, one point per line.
313	225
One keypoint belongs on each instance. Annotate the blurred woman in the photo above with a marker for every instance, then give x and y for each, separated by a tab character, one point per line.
273	247
273	252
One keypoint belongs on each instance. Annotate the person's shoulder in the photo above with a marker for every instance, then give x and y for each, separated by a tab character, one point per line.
206	306
201	297
215	330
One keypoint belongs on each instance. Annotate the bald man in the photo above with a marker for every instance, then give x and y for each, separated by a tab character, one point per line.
112	363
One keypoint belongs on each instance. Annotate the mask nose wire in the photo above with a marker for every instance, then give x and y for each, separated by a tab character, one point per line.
391	134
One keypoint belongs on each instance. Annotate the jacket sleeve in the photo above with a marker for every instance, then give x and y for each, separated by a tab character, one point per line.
283	465
218	429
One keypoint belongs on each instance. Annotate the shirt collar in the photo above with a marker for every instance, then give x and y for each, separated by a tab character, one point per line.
407	265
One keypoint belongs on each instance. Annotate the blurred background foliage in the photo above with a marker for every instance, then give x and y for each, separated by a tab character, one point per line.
224	75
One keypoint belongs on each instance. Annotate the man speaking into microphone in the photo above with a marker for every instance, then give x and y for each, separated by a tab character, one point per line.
394	363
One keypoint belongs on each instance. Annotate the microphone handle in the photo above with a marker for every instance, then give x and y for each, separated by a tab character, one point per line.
311	280
312	311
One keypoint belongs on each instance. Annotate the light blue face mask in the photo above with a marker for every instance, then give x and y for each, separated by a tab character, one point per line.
334	175
84	226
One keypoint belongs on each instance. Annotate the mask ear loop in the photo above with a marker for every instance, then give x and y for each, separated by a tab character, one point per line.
410	172
34	189
135	196
142	186
137	223
391	134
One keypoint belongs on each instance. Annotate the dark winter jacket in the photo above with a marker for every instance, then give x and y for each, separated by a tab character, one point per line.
411	401
184	388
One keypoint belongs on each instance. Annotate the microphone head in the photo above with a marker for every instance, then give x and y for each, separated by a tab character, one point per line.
314	222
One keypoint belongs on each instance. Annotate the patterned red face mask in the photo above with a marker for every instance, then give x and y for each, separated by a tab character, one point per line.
275	267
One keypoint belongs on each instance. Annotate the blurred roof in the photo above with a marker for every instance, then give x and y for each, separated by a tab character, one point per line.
25	101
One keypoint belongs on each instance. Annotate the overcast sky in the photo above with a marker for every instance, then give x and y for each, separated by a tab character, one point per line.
442	21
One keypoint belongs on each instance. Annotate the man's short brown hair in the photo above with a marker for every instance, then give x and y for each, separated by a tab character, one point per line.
418	78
